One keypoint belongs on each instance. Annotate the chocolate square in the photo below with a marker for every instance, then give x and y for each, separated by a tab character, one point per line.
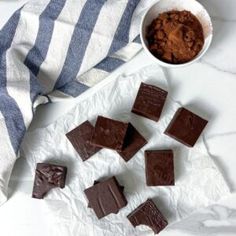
48	176
109	133
159	168
80	139
134	141
106	197
149	215
186	127
149	102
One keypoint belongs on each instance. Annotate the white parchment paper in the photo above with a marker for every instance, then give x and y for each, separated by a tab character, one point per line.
198	181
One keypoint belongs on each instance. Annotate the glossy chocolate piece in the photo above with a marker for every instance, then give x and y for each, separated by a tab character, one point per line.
109	133
80	139
186	127
134	141
106	197
149	102
159	168
149	215
48	176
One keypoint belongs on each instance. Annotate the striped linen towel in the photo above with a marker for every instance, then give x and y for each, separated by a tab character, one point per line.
62	45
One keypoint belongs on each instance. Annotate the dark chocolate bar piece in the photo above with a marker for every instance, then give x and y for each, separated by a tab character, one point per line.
134	141
109	133
149	215
48	176
106	197
149	102
80	139
159	168
186	127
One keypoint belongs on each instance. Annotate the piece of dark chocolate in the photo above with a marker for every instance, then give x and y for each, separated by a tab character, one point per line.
80	139
134	141
149	102
48	176
106	197
186	127
159	168
109	133
149	215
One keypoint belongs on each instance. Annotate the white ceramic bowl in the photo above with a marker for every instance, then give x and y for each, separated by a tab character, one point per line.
167	5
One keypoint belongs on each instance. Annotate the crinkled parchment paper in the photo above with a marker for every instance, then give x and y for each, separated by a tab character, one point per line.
198	181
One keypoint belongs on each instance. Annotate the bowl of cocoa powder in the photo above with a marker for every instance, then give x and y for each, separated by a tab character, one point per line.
176	33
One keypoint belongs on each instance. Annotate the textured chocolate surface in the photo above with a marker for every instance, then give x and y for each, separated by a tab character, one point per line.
134	141
150	101
106	197
149	215
109	133
186	127
48	176
80	139
159	168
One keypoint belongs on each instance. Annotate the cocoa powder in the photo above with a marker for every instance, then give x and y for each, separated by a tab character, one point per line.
175	37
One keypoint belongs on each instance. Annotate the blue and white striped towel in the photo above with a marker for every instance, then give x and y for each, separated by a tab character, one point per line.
65	45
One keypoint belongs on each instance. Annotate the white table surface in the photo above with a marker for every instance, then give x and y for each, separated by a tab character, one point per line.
208	87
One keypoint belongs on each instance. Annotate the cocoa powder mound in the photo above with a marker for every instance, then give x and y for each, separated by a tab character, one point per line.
175	37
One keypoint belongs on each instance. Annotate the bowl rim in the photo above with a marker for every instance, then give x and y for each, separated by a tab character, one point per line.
166	64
